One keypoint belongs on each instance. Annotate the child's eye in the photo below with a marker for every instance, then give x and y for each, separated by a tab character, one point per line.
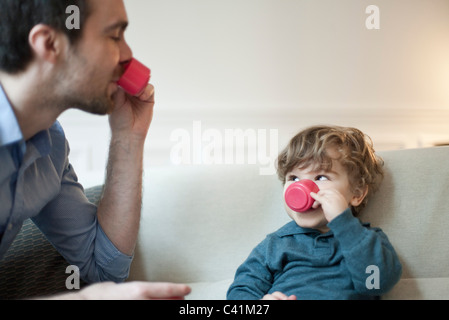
321	178
293	178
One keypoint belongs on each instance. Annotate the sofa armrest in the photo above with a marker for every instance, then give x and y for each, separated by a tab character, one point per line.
32	266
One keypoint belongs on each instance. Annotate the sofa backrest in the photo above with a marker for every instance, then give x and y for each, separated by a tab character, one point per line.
199	223
412	208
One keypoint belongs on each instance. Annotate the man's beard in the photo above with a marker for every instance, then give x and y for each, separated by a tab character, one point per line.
83	90
96	105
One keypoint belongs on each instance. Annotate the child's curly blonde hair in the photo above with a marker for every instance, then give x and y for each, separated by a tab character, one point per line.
356	150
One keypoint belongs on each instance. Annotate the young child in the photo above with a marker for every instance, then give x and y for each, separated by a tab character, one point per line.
325	252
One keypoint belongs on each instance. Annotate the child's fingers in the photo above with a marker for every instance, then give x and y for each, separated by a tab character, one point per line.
276	296
314	195
317	203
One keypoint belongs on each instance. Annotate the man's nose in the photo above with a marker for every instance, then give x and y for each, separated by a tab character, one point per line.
126	53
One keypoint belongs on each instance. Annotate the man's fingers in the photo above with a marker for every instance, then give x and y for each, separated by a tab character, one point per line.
147	95
161	290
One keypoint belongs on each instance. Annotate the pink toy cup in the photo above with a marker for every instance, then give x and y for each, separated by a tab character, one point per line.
297	196
135	78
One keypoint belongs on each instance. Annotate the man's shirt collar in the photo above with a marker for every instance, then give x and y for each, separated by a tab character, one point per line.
10	131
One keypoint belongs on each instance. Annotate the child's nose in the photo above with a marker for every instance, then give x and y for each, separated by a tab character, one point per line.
297	196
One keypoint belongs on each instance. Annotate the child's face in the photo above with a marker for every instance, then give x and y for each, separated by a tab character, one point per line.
336	179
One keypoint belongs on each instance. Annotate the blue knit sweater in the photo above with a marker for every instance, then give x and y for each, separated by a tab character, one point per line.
351	261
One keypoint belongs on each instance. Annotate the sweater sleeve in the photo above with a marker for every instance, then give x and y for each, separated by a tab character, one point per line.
253	278
370	258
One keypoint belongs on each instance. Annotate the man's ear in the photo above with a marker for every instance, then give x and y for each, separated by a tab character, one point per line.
359	195
46	43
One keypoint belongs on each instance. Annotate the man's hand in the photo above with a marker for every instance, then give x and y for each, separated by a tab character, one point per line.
132	114
331	201
128	291
278	296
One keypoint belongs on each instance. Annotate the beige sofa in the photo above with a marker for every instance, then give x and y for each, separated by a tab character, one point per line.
199	223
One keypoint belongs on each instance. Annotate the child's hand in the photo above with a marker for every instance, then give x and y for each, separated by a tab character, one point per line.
332	202
278	296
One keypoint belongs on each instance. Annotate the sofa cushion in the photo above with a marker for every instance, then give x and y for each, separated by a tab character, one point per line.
412	208
200	222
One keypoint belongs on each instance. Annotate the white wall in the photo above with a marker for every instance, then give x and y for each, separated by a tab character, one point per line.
285	65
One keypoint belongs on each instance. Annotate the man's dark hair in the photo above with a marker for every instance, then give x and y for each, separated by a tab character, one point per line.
18	17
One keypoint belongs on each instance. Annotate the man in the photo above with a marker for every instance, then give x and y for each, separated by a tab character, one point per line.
46	69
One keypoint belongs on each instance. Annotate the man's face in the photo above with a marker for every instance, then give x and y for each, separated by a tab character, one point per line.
95	63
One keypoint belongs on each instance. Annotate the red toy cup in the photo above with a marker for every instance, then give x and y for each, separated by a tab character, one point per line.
297	196
135	78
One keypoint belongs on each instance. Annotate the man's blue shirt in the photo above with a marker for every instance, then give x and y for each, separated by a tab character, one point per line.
38	182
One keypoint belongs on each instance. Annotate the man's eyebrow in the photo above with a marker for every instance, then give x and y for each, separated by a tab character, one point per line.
120	25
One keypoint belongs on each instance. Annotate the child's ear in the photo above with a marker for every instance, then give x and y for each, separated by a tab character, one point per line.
359	195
